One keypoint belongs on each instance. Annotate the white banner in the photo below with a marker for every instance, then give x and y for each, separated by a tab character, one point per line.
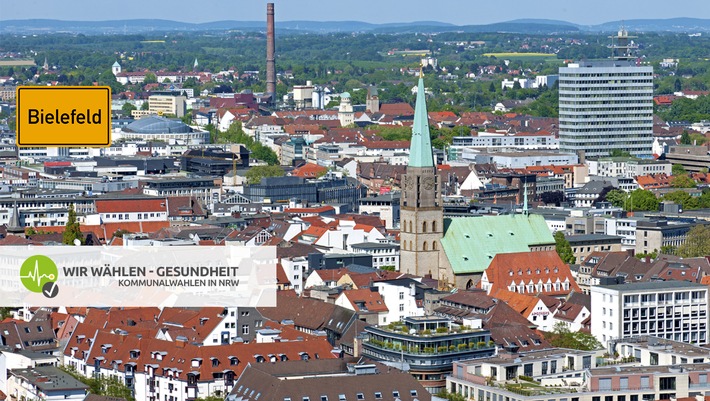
186	276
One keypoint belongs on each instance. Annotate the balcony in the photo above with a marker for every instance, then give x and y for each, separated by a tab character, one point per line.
430	351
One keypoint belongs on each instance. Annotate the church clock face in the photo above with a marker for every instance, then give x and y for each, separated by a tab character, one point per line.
428	183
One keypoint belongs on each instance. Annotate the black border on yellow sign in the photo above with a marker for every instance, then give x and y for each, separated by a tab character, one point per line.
18	142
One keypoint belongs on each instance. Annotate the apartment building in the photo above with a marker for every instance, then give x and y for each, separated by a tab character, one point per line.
675	310
529	377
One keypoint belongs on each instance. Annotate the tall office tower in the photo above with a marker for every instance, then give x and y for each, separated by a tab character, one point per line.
607	105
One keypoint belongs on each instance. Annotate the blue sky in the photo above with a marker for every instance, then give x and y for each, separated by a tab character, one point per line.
460	12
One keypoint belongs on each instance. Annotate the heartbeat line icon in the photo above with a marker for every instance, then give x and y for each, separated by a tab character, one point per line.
35	276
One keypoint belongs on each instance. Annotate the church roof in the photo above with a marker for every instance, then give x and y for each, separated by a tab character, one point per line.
420	153
471	243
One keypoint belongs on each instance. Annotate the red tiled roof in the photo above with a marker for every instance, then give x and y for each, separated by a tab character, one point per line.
365	300
309	170
180	356
387	145
131	205
521	303
397	109
530	267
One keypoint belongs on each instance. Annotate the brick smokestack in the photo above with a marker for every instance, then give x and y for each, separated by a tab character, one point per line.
270	53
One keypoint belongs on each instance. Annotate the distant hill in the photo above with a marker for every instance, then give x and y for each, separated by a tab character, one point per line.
543	26
689	25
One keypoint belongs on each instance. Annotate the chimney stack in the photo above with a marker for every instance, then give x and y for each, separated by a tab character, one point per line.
270	56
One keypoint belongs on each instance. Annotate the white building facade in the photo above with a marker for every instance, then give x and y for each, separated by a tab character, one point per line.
605	106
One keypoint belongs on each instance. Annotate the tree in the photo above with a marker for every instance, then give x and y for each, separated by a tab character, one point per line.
72	231
563	248
127	108
150	78
256	173
682	181
678	169
697	243
554	197
682	198
641	199
617	197
99	385
619	153
451	396
684	140
562	337
5	313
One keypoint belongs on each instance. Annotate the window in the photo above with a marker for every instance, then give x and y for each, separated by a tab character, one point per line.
360	396
323	398
413	393
395	393
245	329
666	383
401	295
401	307
378	395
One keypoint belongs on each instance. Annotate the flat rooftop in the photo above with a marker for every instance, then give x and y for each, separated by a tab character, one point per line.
670	346
49	379
516	359
626	370
654	285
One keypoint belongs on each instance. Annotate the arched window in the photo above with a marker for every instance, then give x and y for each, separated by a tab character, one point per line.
410	246
433	245
404	245
433	226
410	229
404	225
426	247
424	227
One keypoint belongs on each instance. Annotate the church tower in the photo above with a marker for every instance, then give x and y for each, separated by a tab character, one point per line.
421	210
346	115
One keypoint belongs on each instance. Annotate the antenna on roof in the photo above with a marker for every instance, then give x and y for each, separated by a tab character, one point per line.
525	198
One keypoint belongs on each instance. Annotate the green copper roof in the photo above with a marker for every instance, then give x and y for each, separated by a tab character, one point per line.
470	243
420	154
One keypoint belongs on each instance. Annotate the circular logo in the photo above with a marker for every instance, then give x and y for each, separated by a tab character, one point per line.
37	271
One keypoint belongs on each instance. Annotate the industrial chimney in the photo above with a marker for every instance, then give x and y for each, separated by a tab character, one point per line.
270	56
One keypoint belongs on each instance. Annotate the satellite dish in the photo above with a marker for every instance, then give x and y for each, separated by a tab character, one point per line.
77	242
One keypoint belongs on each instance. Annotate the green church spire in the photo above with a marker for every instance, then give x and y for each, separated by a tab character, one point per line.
420	153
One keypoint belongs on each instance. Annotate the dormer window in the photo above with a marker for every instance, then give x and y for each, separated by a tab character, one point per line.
192	378
304	356
215	362
259	358
283	357
233	360
196	362
134	353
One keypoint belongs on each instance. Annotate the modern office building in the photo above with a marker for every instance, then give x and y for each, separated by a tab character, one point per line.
674	310
607	105
429	344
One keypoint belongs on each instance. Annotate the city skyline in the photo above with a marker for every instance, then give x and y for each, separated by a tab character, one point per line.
366	11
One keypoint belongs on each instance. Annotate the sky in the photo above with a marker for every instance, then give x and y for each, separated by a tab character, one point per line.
459	12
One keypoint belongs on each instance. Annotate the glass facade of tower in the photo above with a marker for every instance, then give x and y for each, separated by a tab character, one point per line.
606	105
